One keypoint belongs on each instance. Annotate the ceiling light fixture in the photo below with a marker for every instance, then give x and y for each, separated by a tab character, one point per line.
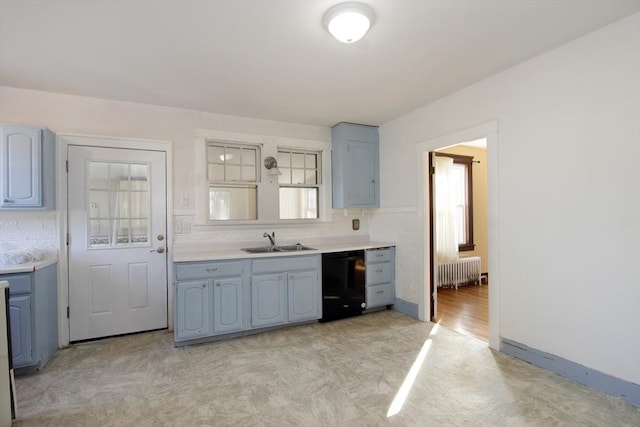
348	22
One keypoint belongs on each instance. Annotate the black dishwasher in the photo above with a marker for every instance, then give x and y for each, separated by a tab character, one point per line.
343	285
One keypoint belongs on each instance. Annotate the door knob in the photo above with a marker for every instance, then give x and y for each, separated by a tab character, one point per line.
159	250
160	237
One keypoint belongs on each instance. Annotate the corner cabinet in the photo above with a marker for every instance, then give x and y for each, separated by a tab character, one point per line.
380	277
355	166
27	167
33	314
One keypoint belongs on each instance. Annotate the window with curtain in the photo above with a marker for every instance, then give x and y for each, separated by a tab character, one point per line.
454	186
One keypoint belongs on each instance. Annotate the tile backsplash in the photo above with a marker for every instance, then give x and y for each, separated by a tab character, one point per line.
25	229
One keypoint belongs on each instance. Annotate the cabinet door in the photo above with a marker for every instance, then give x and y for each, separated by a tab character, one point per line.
21	167
268	300
360	178
193	310
20	318
227	305
303	295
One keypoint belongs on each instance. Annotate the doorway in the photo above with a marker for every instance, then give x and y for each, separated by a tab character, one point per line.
427	296
458	220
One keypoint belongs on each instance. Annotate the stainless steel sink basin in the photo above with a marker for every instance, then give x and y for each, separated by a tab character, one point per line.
267	249
296	247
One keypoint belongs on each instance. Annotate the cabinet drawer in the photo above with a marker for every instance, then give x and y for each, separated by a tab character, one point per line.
280	264
19	283
378	255
208	270
378	273
379	295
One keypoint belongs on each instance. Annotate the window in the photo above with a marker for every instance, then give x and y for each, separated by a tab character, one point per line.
299	183
462	192
232	174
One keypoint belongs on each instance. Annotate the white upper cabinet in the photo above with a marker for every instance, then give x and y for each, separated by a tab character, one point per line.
27	167
355	166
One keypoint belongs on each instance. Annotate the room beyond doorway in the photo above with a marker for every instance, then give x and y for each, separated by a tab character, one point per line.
465	310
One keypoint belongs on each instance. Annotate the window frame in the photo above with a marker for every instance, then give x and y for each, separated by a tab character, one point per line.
467	161
248	184
317	185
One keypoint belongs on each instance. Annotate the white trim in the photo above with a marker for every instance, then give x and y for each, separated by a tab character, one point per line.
490	131
63	140
268	212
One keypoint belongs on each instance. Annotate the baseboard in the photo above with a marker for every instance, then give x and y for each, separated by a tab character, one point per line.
611	385
405	307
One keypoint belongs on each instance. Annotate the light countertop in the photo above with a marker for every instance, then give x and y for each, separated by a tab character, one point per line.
28	267
186	254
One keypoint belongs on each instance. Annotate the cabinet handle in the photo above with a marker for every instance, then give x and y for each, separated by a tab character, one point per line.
212	269
218	284
379	271
204	286
379	255
380	292
8	201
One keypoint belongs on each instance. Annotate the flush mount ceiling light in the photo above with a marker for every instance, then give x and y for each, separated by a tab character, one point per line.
348	22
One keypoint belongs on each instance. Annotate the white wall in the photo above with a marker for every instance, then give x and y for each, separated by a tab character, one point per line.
569	210
102	117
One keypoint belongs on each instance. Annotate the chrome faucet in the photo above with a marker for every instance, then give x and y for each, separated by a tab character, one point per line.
271	237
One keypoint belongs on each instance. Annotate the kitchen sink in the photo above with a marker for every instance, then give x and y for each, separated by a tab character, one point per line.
268	249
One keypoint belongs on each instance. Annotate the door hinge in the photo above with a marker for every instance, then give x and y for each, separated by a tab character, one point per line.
67	312
433	170
67	239
66	165
42	136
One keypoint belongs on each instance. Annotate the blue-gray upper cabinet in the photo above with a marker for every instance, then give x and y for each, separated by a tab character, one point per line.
27	167
355	166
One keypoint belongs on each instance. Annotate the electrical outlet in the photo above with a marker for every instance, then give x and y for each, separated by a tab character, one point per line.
355	224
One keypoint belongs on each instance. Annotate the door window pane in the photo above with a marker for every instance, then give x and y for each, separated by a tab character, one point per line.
118	205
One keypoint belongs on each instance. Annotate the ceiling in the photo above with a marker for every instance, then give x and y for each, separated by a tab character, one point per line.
272	59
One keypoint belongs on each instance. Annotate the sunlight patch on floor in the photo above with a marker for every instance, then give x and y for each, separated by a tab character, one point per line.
407	384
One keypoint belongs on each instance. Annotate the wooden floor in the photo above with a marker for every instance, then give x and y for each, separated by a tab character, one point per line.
465	310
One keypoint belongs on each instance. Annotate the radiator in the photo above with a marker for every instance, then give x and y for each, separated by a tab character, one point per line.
460	272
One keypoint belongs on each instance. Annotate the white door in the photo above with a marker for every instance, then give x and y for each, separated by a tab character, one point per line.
432	247
117	241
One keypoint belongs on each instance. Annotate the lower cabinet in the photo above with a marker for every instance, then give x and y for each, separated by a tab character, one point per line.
20	316
380	275
226	297
268	300
33	316
193	309
303	295
227	305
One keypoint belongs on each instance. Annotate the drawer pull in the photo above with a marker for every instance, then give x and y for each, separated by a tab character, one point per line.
379	271
380	292
212	269
379	255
